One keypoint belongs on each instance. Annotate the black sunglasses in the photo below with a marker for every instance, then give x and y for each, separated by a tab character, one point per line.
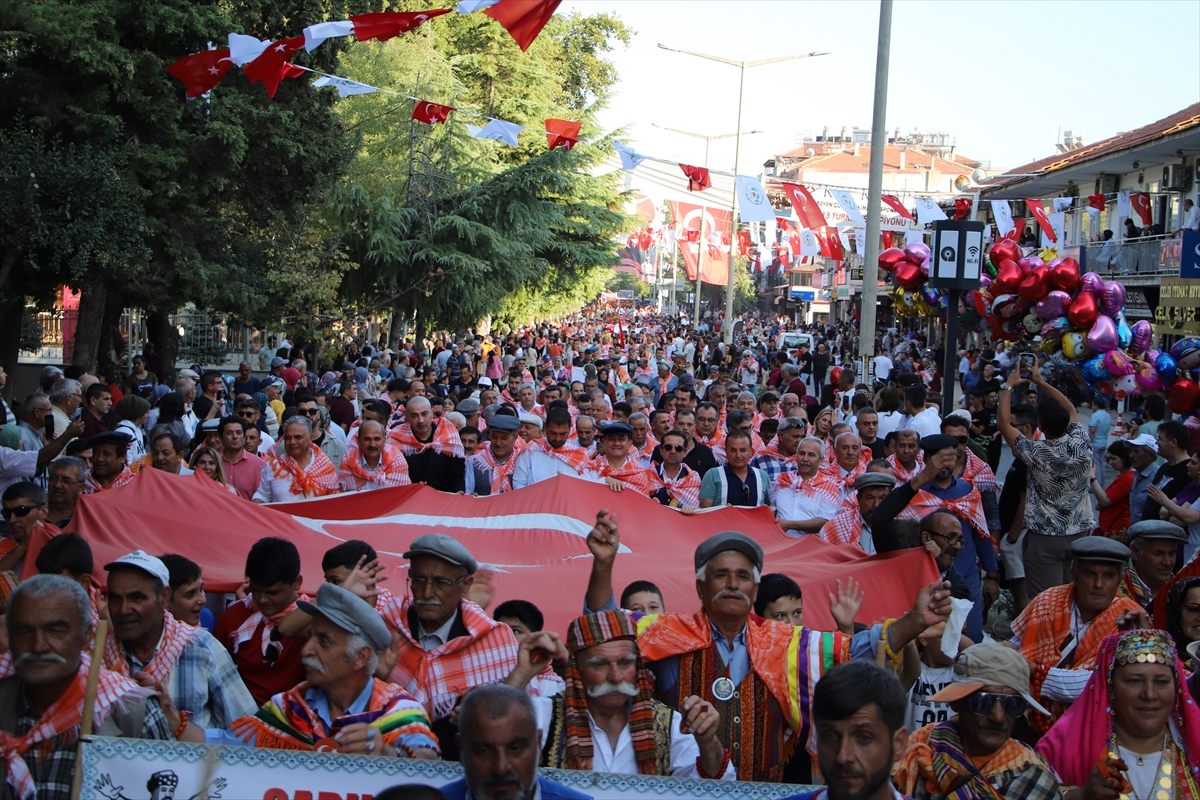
672	448
20	511
982	703
311	412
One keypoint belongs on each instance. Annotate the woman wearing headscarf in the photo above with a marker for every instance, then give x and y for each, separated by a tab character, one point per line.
1135	730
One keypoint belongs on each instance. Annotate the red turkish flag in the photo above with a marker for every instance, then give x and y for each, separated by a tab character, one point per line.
561	133
698	179
1039	213
269	66
431	113
523	19
962	207
1096	201
1141	206
201	71
384	25
1015	234
288	70
831	243
793	239
888	238
743	243
807	210
697	245
895	204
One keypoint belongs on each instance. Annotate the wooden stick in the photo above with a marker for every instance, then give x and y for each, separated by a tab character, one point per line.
89	704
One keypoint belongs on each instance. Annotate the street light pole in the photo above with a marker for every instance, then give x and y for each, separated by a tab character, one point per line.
742	65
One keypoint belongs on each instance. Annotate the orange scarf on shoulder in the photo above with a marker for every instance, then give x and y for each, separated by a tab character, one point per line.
318	480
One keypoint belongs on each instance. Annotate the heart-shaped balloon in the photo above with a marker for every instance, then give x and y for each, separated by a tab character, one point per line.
1004	250
1103	335
1142	332
1053	304
917	252
1083	311
1065	274
909	275
1117	362
889	258
1112	300
1092	284
1035	285
1166	367
1026	264
1008	278
1184	394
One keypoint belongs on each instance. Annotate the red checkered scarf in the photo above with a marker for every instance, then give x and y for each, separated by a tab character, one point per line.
390	608
392	470
631	473
124	479
437	678
112	692
819	483
245	632
979	474
846	525
903	475
969	508
176	636
759	418
684	490
833	471
500	473
445	440
714	441
317	480
572	455
644	452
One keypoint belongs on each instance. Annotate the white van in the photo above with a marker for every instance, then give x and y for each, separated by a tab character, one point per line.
791	341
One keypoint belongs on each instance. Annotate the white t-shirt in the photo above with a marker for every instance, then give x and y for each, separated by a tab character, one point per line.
883	367
921	711
927	423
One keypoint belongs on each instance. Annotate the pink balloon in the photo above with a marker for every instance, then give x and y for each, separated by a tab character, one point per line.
1053	304
1143	332
1118	363
917	252
1148	381
985	281
1112	299
1054	262
1091	282
1026	264
1103	335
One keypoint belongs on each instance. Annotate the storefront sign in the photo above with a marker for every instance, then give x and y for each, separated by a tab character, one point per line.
1178	299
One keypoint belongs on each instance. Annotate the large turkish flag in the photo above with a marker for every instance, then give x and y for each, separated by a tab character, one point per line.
712	252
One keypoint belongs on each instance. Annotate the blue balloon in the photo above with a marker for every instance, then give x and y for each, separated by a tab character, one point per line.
1124	333
1167	368
1187	352
1094	370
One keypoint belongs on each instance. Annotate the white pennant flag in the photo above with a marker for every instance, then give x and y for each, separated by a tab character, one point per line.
314	35
1093	213
753	204
345	87
809	246
848	204
1124	206
498	130
1058	222
1002	211
770	231
630	158
471	6
1063	203
244	49
928	211
860	240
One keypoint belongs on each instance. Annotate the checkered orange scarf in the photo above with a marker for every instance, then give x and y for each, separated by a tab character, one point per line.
978	473
818	484
631	473
124	479
318	480
445	440
392	470
684	490
846	525
1046	623
501	474
572	455
903	475
245	632
113	691
968	508
176	636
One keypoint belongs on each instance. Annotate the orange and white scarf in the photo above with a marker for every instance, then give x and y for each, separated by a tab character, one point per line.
846	525
113	691
903	475
631	473
245	632
317	480
684	489
124	479
353	474
500	474
176	636
444	442
968	508
572	455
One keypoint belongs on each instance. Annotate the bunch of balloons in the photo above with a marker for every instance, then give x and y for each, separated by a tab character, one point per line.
1046	304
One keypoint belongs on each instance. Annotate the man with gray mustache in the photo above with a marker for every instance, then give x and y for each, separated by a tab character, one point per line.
759	674
42	705
607	719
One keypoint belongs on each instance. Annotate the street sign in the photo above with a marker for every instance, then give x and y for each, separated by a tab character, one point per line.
957	255
805	295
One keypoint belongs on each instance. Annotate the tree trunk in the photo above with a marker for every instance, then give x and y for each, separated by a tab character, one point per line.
10	340
394	327
112	341
89	326
166	343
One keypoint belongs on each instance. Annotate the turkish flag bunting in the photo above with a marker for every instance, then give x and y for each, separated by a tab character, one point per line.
691	235
523	19
1096	201
962	207
831	244
287	70
898	207
1039	213
431	113
807	210
268	67
743	243
1141	206
793	239
888	237
384	25
201	71
561	133
1017	230
698	179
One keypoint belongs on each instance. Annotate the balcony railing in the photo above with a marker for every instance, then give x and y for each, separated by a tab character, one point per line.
1138	257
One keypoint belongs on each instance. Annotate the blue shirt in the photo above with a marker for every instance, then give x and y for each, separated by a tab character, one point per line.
975	551
1102	422
1137	494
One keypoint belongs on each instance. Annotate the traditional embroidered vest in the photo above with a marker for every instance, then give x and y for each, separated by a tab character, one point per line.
554	751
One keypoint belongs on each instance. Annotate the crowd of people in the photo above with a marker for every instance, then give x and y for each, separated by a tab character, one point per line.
1032	668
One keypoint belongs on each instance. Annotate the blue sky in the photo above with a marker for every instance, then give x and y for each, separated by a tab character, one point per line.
1001	77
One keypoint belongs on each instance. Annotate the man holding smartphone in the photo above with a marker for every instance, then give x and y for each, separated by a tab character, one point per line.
210	404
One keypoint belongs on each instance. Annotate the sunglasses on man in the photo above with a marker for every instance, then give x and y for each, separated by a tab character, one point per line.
18	511
982	703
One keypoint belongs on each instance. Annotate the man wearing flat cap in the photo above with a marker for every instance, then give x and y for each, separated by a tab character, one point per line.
614	466
341	698
531	426
447	643
1061	629
740	662
1154	545
852	523
973	754
109	470
495	459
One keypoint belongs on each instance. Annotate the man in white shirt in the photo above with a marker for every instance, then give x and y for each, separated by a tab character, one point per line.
883	365
806	499
1191	217
605	671
925	421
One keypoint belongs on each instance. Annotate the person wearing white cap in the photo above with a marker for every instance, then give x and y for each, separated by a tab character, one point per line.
530	426
189	667
1144	455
